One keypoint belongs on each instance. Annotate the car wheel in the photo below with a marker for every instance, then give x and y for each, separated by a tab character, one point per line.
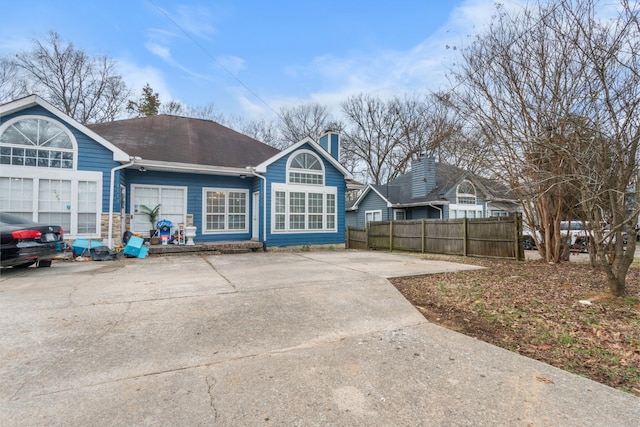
44	263
25	265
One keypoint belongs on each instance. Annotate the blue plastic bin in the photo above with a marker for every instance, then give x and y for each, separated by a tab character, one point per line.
135	247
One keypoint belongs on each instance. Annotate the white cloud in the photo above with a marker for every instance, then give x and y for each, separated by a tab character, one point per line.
161	51
195	20
232	64
392	72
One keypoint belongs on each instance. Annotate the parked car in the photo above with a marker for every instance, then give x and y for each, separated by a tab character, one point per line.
24	242
571	232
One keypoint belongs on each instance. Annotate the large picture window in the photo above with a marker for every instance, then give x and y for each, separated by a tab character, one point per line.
303	208
72	203
37	142
225	210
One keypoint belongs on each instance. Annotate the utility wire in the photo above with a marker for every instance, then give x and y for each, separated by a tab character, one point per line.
210	55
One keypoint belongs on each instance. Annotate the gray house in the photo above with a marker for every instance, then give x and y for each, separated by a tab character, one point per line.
432	190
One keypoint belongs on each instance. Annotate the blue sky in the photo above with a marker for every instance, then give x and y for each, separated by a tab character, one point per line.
249	58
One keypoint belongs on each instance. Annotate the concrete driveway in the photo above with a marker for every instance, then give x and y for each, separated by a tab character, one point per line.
312	338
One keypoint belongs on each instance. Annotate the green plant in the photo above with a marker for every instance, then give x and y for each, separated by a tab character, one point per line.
152	213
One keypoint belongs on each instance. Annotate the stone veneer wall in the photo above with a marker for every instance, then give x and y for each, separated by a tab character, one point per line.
117	230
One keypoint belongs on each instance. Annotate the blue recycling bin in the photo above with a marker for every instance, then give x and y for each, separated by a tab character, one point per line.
165	228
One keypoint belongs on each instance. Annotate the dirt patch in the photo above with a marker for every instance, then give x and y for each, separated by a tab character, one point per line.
560	314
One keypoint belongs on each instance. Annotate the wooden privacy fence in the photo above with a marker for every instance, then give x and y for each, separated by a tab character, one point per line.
499	237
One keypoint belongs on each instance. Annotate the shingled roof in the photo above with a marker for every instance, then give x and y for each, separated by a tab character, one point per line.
398	190
184	140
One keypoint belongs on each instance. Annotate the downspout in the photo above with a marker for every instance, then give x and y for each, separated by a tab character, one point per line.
112	182
264	209
434	206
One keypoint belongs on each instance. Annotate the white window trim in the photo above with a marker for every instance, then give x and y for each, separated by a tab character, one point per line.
396	212
301	188
462	207
468	195
205	190
35	173
373	214
134	188
66	130
309	171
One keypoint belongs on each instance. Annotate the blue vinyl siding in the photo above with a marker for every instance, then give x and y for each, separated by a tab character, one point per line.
92	156
195	184
372	202
276	172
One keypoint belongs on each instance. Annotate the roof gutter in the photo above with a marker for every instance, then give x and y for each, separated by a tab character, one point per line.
151	165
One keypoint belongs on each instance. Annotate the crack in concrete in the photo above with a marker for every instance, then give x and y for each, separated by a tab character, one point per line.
70	296
216	270
210	385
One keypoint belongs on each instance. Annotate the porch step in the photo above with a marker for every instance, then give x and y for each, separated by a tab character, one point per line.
227	247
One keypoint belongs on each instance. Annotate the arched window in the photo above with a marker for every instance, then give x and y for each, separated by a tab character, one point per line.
466	193
306	168
38	142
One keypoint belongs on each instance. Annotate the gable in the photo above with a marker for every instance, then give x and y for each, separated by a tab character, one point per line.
34	105
308	144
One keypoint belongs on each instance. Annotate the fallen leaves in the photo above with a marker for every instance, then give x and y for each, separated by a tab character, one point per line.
534	308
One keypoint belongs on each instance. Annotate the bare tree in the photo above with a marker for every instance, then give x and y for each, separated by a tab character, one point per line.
173	108
373	136
87	88
305	120
10	87
263	130
554	91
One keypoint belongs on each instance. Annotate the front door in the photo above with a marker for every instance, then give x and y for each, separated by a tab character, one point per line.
255	216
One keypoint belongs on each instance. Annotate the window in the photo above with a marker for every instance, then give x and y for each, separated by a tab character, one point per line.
74	203
305	168
37	142
66	197
466	193
399	214
225	210
373	216
172	201
303	209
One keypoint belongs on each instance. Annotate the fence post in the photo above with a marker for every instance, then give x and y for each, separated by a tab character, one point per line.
464	236
390	236
517	220
348	240
424	225
366	236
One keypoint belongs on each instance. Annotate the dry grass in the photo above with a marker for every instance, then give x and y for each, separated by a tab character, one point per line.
540	311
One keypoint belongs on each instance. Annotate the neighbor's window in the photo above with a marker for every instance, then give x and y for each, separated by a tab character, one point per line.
38	142
466	193
373	216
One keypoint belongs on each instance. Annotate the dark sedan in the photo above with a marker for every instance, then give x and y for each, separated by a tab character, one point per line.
24	242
